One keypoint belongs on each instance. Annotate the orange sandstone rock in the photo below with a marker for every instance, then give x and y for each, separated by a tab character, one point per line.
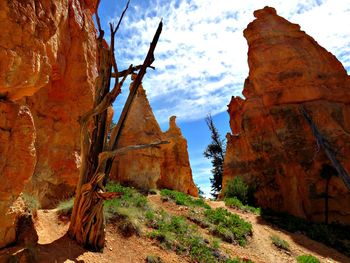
47	51
176	171
272	146
57	106
157	167
18	157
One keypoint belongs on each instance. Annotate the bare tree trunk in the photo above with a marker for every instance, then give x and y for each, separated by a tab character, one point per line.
87	220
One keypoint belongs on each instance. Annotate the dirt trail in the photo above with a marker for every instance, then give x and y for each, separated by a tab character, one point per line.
261	248
55	246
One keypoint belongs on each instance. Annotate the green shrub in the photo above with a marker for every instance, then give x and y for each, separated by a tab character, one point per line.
176	233
228	226
235	203
307	259
130	207
65	207
153	259
31	203
280	243
184	199
237	188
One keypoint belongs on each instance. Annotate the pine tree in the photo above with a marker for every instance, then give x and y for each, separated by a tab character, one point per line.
215	151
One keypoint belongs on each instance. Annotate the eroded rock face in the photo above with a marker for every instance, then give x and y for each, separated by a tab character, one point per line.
272	146
71	52
18	157
176	170
157	167
47	52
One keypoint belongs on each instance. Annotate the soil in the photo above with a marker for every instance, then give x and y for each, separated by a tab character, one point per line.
55	246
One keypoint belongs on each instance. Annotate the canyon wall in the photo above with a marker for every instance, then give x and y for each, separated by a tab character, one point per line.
166	166
47	70
272	146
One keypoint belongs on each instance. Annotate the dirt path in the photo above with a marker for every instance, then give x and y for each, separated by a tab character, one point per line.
55	246
262	250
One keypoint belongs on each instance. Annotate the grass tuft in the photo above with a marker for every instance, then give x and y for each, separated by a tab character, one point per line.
65	207
280	243
236	203
31	203
184	199
229	227
307	259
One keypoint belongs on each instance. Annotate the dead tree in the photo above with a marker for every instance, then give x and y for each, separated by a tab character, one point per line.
87	220
324	144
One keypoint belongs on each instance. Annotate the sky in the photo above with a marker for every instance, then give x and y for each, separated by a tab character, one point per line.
201	56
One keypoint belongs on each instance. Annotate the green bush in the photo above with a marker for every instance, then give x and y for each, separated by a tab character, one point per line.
65	207
228	226
184	199
31	203
307	259
235	203
131	206
237	188
280	243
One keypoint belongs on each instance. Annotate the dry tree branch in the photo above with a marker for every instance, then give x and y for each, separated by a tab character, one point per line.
106	102
123	72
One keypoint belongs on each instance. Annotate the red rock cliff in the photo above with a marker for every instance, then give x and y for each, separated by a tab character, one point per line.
167	166
71	53
47	69
272	146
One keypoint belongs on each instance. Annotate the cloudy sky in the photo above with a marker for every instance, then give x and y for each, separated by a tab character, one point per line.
201	58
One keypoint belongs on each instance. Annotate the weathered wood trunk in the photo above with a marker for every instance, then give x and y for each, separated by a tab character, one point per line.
87	219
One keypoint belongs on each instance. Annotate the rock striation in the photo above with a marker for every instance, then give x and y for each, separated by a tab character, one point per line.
56	107
18	157
47	73
272	146
166	166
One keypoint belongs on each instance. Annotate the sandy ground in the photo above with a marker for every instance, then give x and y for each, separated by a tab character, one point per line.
56	247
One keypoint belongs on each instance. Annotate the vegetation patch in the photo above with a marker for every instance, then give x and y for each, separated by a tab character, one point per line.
31	203
65	207
236	203
153	259
229	227
183	199
280	243
333	235
307	259
238	189
176	233
128	211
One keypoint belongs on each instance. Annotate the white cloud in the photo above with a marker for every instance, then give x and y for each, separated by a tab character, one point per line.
201	58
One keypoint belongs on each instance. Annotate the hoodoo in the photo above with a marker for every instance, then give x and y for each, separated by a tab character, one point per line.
273	146
167	166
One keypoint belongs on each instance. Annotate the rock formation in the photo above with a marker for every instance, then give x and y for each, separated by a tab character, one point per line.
71	53
47	70
166	166
18	157
272	146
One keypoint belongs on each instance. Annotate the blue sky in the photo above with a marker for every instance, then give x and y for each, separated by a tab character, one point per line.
201	58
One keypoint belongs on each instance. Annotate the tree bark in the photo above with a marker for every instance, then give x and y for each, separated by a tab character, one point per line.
87	219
